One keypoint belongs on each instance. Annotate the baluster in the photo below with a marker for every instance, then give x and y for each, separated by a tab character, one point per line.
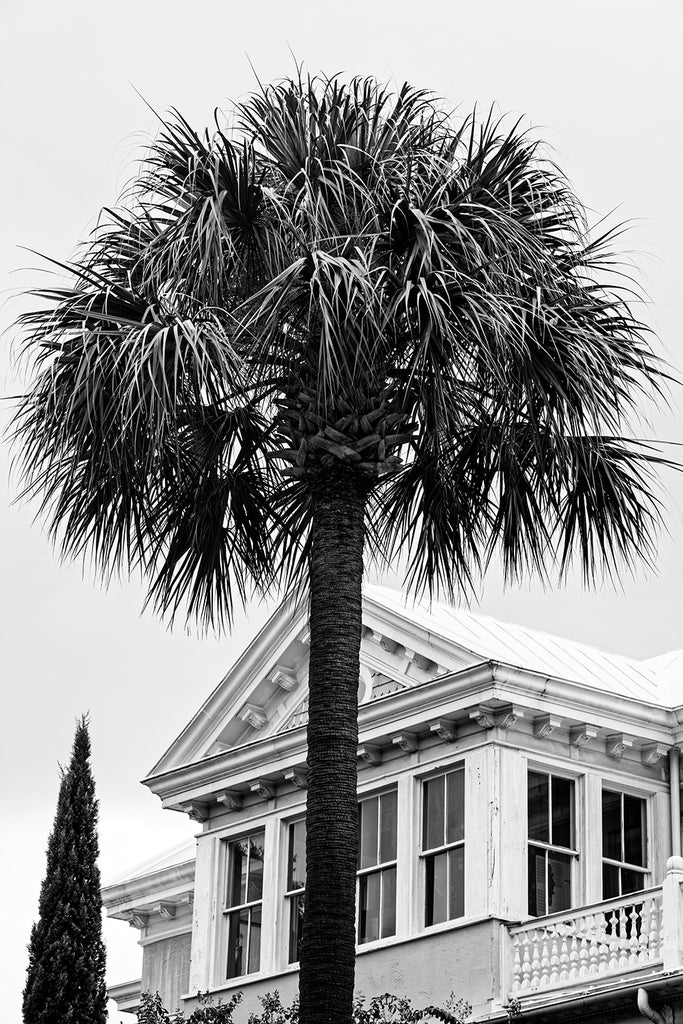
536	957
623	938
554	956
634	924
526	961
544	977
574	955
564	958
516	965
613	941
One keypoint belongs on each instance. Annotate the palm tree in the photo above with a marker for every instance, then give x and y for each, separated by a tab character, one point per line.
344	324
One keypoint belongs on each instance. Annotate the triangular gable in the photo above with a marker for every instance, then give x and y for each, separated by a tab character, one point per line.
265	691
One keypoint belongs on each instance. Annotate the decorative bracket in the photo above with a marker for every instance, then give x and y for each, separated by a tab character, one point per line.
284	677
617	743
445	729
483	717
196	810
370	753
137	919
230	798
508	716
407	741
580	735
165	909
263	789
420	661
298	777
253	716
651	753
546	725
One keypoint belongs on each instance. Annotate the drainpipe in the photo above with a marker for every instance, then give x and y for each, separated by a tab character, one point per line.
645	1008
675	801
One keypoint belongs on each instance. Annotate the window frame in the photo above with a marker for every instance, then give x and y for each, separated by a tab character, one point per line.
645	871
227	910
425	854
291	896
379	867
577	830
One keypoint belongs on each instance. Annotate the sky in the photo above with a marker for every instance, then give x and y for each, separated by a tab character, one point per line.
599	79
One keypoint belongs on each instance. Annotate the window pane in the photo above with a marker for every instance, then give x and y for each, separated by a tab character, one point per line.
387	839
296	868
254	941
433	826
368	918
238	927
455	807
611	826
296	920
538	806
368	833
436	908
563	799
388	902
610	882
537	882
456	883
632	881
559	881
634	831
238	855
255	883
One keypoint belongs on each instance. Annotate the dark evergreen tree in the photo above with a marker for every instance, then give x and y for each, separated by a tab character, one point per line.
65	977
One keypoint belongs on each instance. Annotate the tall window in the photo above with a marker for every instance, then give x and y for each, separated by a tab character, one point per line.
443	846
550	803
296	882
624	844
377	867
244	896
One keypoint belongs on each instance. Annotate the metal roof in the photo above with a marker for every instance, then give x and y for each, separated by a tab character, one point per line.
656	680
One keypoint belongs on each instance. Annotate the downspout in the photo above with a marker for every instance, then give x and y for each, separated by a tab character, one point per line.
645	1008
675	800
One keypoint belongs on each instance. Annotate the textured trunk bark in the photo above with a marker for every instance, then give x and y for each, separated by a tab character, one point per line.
336	574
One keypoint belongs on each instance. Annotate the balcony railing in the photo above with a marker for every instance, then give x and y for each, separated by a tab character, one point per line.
642	931
607	938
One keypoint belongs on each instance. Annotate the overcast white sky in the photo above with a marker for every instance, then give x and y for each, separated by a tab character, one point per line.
600	77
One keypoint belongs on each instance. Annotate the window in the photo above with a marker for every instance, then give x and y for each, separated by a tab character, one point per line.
443	847
377	867
244	895
550	806
624	844
296	882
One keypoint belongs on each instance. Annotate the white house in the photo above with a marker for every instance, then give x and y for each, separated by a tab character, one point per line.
515	790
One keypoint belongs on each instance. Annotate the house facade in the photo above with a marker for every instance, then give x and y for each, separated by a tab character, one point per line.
519	813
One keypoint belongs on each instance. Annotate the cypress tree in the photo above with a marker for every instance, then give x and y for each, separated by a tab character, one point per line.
65	976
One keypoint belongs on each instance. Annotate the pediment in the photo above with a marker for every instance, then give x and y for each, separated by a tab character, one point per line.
265	693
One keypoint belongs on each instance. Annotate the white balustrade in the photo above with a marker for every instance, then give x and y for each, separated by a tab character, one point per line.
584	944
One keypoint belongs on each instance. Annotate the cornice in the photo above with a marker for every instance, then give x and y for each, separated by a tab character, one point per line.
490	695
148	887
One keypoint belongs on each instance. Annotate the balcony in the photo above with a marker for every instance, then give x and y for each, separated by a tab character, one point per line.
613	943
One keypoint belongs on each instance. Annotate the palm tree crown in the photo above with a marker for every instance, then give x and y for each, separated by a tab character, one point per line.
344	321
343	280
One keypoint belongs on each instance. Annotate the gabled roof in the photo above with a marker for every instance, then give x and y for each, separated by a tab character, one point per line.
406	642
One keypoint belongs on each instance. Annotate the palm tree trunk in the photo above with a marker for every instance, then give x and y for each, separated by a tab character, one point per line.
336	574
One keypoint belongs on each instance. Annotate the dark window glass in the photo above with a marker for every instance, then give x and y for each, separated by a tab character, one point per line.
559	880
369	907
437	888
240	861
455	807
388	925
296	920
296	871
456	885
631	881
538	802
368	832
610	881
611	825
562	793
255	886
245	873
255	940
634	831
537	882
387	838
433	827
238	931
